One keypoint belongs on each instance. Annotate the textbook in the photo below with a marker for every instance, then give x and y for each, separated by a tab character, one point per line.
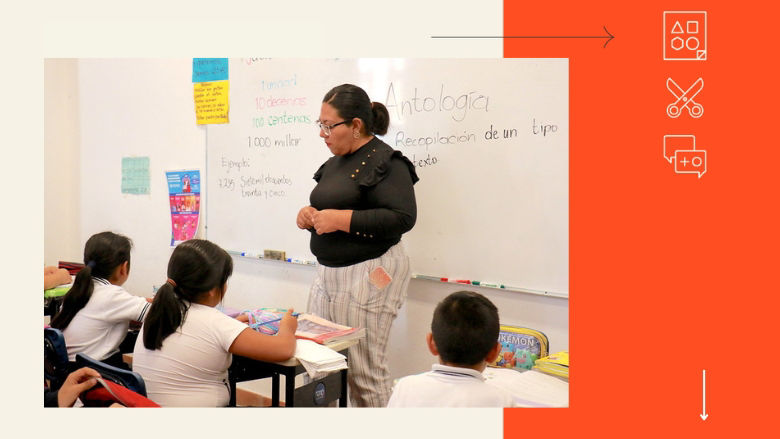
310	327
556	364
520	347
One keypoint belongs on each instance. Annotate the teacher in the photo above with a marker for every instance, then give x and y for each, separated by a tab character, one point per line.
363	202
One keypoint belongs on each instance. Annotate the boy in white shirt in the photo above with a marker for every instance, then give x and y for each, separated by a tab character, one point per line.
464	334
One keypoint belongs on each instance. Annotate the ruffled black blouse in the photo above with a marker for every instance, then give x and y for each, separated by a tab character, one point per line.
376	182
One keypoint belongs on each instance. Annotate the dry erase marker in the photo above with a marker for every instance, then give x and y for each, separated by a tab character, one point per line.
463	281
422	276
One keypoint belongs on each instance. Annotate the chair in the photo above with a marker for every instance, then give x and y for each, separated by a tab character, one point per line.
131	380
55	358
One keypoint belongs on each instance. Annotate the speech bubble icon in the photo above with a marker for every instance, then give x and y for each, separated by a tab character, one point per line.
690	162
676	142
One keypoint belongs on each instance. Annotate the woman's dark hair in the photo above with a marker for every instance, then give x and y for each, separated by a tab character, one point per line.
196	266
352	102
103	253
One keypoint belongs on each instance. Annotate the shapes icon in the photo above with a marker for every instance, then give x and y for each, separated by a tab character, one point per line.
685	35
680	149
684	99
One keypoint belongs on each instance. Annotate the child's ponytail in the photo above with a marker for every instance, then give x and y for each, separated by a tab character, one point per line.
165	315
196	267
103	253
76	298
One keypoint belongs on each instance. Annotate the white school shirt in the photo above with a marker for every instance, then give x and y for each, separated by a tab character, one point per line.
190	369
98	329
447	386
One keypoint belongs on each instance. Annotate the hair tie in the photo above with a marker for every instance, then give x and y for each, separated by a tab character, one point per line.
91	264
171	281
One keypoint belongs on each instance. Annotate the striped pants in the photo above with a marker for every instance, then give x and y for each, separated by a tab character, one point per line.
344	295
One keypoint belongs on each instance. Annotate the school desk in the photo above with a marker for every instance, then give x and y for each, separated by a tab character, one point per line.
529	388
316	393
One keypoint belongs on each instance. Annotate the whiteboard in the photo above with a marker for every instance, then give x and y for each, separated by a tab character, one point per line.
488	137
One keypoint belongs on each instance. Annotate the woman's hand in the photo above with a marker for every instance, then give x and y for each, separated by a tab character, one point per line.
304	220
331	220
77	382
243	317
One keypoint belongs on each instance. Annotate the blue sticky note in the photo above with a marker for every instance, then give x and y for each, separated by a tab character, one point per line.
209	69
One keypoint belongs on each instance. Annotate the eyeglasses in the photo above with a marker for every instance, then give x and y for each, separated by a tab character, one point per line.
326	128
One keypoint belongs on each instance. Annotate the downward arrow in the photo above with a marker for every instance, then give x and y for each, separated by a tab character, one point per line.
703	414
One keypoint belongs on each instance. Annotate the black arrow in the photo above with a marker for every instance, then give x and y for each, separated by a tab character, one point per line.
609	36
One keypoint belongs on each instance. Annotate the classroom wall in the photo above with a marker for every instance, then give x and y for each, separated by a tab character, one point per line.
61	164
145	108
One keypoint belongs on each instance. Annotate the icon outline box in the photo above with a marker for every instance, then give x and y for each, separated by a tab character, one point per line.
700	52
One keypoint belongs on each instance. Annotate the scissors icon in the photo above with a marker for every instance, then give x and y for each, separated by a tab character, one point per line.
684	99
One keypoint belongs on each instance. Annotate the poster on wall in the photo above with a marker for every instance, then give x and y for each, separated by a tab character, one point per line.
211	89
184	197
135	175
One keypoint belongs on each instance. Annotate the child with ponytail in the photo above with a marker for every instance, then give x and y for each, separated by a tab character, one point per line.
97	311
185	345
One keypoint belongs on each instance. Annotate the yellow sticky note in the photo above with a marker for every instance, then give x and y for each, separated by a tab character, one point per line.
212	102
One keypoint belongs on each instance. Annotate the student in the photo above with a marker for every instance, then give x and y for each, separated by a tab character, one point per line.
76	383
465	337
185	345
97	311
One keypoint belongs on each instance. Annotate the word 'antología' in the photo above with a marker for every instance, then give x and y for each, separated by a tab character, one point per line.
459	105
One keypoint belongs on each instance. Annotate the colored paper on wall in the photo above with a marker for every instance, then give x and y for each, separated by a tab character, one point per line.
212	102
209	69
135	175
184	198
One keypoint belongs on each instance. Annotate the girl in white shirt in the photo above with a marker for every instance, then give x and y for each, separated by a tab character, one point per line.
96	312
185	346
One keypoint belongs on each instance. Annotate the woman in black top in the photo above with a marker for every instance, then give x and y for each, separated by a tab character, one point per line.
363	202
